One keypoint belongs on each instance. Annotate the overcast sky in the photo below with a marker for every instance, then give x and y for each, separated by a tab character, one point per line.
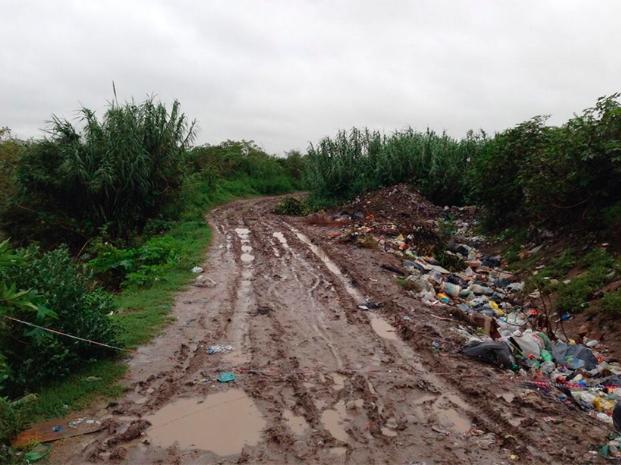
284	73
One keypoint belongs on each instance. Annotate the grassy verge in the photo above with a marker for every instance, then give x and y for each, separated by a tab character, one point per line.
143	312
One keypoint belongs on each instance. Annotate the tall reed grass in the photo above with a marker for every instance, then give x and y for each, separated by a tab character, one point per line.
359	160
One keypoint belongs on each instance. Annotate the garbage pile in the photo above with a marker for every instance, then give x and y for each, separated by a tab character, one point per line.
515	333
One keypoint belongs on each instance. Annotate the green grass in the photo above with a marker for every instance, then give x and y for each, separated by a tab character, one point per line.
143	312
76	391
611	303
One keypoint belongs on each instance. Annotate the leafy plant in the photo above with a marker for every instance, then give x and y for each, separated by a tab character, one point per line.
360	160
139	266
111	175
291	206
48	290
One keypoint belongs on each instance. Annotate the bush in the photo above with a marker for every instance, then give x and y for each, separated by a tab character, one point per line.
360	160
562	176
495	173
139	266
291	206
49	290
109	176
243	160
599	267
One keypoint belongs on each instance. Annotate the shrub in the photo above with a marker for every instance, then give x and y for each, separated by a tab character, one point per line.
110	175
356	161
138	266
265	174
611	303
599	267
291	206
49	290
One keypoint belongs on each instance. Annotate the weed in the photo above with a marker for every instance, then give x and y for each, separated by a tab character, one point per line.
611	303
291	206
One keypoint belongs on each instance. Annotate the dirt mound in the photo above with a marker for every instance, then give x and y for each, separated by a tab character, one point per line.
394	203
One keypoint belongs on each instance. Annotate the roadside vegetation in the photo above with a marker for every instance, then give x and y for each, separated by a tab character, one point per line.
101	223
565	180
566	176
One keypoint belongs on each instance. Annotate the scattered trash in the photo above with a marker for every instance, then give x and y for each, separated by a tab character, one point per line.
197	269
226	377
494	353
514	323
39	452
219	349
616	417
264	310
53	430
204	281
369	305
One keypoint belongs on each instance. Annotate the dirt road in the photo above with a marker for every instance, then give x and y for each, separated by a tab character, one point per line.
318	380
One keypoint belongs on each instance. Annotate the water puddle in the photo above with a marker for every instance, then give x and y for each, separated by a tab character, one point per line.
333	421
424	398
339	381
382	328
338	451
224	423
334	269
238	329
452	420
379	325
296	423
281	238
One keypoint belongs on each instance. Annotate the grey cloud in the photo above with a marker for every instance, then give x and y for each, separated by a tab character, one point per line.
284	73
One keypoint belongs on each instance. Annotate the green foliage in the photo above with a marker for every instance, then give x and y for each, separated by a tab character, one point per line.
9	425
447	227
110	175
50	290
10	152
562	176
244	160
611	303
360	160
448	260
599	267
494	175
138	266
566	176
291	206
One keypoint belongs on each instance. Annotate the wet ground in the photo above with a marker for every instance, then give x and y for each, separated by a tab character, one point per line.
318	380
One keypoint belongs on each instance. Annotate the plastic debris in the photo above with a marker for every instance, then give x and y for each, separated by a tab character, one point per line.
219	349
512	330
494	353
39	452
197	270
226	377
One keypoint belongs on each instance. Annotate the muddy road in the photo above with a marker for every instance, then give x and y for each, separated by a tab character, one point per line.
318	379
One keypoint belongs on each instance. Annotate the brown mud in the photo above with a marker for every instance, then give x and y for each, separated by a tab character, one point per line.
318	379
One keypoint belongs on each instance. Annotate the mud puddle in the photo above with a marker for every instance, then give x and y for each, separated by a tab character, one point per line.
223	423
297	424
382	328
334	269
333	420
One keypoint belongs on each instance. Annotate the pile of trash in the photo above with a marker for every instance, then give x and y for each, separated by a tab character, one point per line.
514	332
